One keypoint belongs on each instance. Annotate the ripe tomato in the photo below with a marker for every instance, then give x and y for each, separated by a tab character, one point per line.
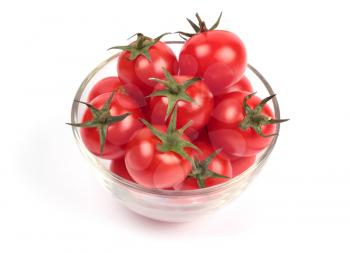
240	164
105	85
157	157
151	167
144	59
220	165
229	127
219	57
113	83
105	135
118	167
242	85
194	103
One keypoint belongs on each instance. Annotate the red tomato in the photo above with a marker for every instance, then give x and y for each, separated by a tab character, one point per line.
240	164
225	130
118	167
117	134
189	183
219	57
151	167
203	135
242	85
139	70
105	85
219	164
113	83
199	110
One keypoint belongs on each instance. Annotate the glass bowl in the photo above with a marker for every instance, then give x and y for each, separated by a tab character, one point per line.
169	205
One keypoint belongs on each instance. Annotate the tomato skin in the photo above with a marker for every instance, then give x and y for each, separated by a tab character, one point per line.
218	56
202	136
152	168
242	85
220	164
241	164
105	85
199	111
118	167
139	71
113	83
119	133
238	165
224	127
188	184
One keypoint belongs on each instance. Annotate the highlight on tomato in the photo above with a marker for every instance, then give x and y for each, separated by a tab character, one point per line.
159	157
242	124
143	59
217	56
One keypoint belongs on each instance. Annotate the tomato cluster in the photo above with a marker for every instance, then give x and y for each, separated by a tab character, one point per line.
178	124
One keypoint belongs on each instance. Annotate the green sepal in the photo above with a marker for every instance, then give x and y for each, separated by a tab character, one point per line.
201	27
194	26
200	169
94	111
101	119
174	91
172	139
253	118
200	182
102	132
141	46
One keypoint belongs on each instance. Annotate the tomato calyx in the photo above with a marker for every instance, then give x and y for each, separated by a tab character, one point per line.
200	170
254	119
141	46
172	140
173	91
102	118
201	27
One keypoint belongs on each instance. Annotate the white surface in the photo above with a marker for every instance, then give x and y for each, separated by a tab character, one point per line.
50	200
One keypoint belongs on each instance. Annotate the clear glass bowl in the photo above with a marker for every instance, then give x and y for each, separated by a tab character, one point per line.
169	205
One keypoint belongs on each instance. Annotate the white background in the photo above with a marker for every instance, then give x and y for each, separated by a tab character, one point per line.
50	200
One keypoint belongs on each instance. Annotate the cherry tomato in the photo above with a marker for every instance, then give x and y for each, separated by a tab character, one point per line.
242	85
105	85
151	167
198	110
240	164
218	56
220	164
225	127
113	83
140	69
118	167
118	133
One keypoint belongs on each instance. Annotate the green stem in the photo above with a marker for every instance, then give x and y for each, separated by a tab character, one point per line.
254	118
172	140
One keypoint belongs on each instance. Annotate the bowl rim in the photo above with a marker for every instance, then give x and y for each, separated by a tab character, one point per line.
163	192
